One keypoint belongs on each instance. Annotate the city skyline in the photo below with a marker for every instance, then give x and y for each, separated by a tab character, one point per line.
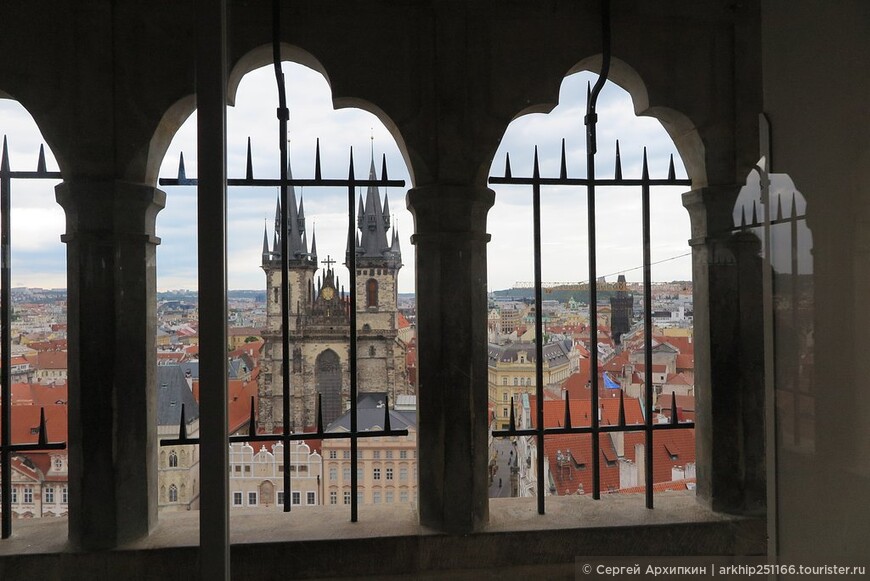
38	222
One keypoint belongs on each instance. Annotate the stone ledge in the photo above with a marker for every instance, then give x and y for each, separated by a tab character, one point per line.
389	542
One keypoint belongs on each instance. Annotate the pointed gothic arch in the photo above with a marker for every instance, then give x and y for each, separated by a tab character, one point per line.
327	379
372	293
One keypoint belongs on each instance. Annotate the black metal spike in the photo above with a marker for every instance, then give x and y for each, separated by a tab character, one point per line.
779	208
794	214
249	172
567	412
672	174
536	173
350	171
182	426
673	408
384	168
4	159
507	164
43	436
319	414
617	173
645	171
743	218
563	172
387	426
621	408
512	424
317	160
754	214
40	163
182	174
252	423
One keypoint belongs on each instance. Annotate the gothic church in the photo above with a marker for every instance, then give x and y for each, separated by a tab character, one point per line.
318	324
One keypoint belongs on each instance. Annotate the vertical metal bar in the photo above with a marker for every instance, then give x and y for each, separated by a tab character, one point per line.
283	116
796	390
6	339
211	93
351	265
539	334
591	147
647	335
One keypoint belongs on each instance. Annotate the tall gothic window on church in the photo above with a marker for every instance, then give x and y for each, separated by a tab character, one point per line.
328	380
371	293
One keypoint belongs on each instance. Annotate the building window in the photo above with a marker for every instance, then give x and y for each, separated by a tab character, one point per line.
280	498
403	496
345	474
376	454
252	499
388	497
296	498
237	499
389	454
333	473
173	459
173	493
346	454
403	454
58	463
359	498
64	495
515	381
372	351
28	495
504	380
310	498
359	474
376	497
49	495
333	497
403	473
371	293
389	474
333	454
376	473
346	497
14	495
504	397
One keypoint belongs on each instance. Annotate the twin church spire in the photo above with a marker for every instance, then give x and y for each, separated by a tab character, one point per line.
373	223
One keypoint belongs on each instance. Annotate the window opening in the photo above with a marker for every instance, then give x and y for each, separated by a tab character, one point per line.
594	423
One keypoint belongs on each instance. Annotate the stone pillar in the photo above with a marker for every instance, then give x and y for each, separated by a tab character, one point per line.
450	239
111	286
729	354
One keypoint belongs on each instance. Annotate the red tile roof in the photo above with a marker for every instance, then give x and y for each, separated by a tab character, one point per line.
51	360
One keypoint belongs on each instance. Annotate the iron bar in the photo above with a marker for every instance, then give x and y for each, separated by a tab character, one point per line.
539	335
647	336
211	83
352	363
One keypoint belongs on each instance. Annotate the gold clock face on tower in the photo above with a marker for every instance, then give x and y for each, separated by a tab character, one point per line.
328	293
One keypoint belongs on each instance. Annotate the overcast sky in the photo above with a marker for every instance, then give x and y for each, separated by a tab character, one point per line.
38	222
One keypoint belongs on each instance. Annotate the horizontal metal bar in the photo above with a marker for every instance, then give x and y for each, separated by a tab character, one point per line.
590	430
34	447
514	181
32	175
290	437
277	182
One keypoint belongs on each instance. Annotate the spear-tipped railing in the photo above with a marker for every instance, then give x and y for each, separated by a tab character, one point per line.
7	448
591	182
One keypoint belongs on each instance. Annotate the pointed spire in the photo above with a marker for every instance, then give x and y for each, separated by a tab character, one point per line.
249	172
313	244
265	243
40	163
360	213
4	160
394	247
617	172
374	222
672	174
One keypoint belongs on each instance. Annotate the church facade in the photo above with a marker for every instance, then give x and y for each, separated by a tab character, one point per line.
319	318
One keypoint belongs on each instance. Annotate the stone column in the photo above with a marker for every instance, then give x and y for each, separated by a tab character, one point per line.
111	286
450	239
729	354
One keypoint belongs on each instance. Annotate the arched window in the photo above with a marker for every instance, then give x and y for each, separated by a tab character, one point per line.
371	293
173	493
173	459
183	458
372	351
327	377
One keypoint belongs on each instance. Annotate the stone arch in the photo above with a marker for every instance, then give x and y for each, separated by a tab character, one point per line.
371	293
262	56
267	492
327	379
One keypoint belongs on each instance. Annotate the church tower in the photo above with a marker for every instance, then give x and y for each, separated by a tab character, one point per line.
319	319
621	310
